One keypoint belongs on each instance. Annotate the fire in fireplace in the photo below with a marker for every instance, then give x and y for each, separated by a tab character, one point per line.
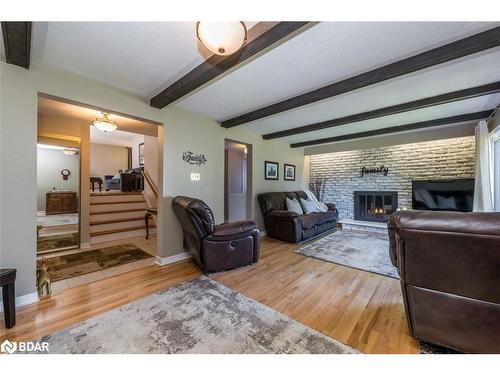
375	205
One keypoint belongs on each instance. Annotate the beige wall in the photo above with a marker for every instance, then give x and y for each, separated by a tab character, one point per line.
136	141
107	160
183	131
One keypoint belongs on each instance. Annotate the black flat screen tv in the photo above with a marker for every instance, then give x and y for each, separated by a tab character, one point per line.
443	195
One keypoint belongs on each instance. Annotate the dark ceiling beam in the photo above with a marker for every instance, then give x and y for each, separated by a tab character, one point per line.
17	43
463	47
397	129
260	37
450	97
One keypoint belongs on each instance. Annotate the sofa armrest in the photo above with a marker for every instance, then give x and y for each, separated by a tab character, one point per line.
331	206
282	214
236	228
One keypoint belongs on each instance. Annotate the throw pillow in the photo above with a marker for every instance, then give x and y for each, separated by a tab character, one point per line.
294	206
308	206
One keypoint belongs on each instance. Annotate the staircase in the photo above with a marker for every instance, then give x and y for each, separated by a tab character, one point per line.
117	215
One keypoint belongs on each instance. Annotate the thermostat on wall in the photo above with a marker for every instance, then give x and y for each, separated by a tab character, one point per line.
195	176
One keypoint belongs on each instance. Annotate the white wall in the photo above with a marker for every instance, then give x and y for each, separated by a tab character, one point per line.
183	131
107	160
50	163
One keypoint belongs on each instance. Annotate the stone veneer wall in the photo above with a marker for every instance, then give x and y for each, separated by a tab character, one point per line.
441	159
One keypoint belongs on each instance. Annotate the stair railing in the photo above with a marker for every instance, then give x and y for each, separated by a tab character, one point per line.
150	182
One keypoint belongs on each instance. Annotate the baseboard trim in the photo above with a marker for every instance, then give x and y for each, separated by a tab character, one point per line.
172	259
27	299
263	233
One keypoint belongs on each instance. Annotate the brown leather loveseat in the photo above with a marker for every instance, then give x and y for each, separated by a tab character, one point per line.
215	248
289	226
449	264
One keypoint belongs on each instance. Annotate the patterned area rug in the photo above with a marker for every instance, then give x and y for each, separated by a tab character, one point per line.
199	316
366	251
428	348
71	265
58	241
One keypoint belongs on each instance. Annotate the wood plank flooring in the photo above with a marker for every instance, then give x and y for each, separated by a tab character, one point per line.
361	309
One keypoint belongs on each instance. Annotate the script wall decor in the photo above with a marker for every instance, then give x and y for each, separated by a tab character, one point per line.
194	159
378	170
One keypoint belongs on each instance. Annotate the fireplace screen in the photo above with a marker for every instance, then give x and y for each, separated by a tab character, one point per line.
374	205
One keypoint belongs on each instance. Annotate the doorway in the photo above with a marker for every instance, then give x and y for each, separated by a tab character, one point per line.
98	192
237	181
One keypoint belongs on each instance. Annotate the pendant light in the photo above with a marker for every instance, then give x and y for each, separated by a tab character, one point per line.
105	124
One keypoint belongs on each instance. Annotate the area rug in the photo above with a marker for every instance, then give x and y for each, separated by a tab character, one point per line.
71	265
428	348
199	316
367	251
57	241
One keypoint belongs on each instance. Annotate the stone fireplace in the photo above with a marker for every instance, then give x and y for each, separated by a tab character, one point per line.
345	172
374	205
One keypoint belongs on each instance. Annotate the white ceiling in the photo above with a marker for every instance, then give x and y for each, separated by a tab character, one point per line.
454	75
445	110
139	57
115	138
326	53
143	58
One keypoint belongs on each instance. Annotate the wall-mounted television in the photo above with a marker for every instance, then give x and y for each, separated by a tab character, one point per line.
443	195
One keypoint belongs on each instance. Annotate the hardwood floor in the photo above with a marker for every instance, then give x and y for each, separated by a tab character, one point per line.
361	309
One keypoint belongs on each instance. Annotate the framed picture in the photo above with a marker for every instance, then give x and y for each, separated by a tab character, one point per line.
271	170
141	153
289	172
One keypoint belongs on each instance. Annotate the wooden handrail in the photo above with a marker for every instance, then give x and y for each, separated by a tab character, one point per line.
150	182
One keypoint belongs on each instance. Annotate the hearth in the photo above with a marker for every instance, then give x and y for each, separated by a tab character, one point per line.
374	205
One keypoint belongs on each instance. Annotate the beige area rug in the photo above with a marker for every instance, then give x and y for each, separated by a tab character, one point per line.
199	316
367	251
71	265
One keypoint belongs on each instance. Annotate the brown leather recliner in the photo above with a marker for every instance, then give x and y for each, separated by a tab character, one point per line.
215	248
449	264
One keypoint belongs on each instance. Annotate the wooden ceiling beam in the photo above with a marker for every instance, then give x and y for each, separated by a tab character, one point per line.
17	43
397	129
472	92
451	51
260	37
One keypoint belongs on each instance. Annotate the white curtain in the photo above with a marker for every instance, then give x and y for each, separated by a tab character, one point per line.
483	197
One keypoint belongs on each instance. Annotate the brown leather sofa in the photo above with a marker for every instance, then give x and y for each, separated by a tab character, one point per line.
215	248
449	264
289	226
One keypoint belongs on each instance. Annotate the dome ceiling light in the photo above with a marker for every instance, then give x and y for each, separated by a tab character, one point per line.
222	38
70	151
105	124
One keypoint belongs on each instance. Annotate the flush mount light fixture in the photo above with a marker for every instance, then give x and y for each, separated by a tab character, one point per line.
222	38
70	151
105	124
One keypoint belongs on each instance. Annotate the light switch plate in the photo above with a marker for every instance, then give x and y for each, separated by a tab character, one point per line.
195	177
